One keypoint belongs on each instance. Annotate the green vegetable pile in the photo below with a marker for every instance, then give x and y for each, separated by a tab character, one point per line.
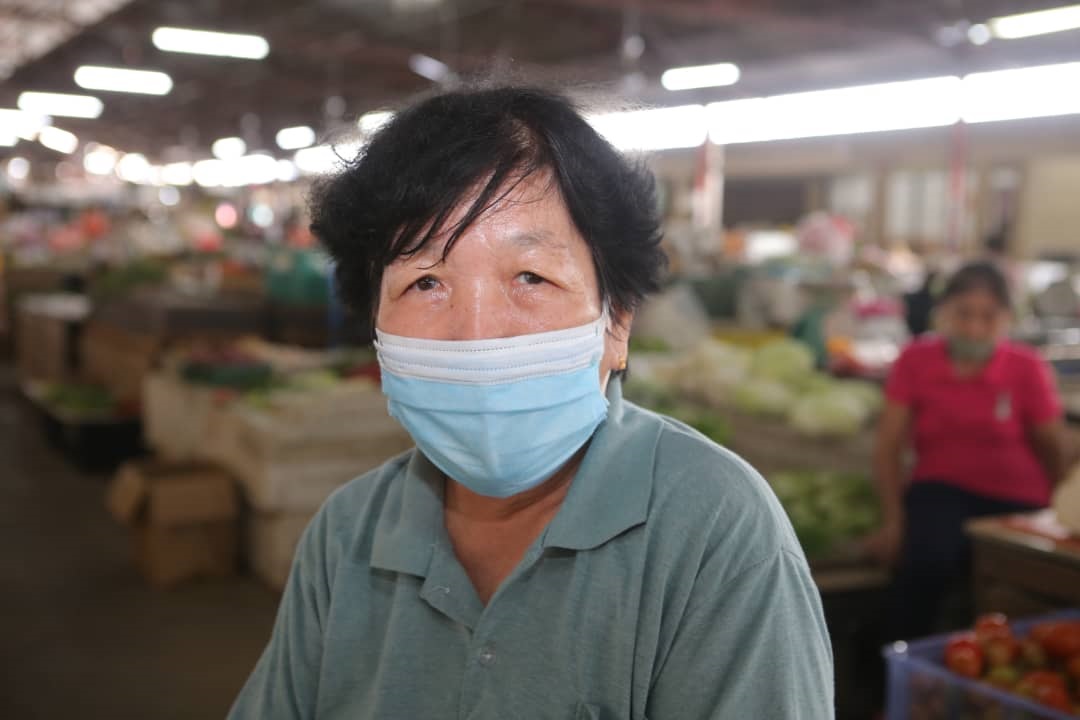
660	399
827	509
80	400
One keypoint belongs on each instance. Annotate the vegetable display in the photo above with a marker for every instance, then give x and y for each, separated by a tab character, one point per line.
1043	667
777	379
828	510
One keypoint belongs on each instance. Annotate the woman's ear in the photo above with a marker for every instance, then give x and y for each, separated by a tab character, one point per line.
617	340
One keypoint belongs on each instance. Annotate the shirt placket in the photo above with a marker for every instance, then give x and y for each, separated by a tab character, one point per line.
490	641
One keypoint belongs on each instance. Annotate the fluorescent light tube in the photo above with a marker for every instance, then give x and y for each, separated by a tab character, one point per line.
23	125
370	122
59	140
666	128
931	102
700	76
206	42
1041	22
61	104
1041	91
146	82
228	148
294	138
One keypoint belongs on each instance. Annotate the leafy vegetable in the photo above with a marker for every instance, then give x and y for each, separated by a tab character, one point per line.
785	360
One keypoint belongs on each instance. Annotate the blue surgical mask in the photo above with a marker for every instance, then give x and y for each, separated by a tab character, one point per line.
499	416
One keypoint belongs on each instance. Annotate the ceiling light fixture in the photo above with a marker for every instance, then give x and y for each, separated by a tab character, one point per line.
101	160
1031	92
18	168
666	128
700	76
325	158
145	82
428	67
228	148
21	124
294	138
206	42
61	104
178	173
930	102
1041	22
59	140
979	34
370	122
134	168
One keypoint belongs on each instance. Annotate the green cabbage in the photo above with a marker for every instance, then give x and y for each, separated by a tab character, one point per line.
785	360
835	411
766	397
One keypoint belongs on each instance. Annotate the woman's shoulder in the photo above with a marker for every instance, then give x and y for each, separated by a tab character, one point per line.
353	508
697	481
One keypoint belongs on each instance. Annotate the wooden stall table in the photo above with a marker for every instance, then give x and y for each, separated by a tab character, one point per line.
1025	564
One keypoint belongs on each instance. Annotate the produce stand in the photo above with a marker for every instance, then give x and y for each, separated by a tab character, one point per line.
1025	564
47	330
289	425
92	440
770	445
920	686
174	314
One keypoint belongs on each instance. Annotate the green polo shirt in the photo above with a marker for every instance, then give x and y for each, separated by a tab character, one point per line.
669	585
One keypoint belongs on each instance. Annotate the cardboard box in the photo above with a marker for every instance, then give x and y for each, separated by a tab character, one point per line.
119	359
182	421
183	518
47	331
291	456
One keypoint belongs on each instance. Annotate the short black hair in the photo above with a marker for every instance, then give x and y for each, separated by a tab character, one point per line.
982	275
395	196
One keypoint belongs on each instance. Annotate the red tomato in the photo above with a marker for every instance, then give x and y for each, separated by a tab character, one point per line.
1073	667
1036	681
992	625
964	655
1063	640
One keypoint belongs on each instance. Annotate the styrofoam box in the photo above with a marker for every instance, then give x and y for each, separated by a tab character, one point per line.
920	686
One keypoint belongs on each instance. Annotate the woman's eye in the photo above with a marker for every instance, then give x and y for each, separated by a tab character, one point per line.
425	284
530	278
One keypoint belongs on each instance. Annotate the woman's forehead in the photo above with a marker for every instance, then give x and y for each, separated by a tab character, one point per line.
530	216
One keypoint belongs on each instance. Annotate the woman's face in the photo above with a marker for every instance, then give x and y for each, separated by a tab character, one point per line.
975	316
521	268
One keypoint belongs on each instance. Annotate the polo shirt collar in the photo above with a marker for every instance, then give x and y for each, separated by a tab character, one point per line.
411	522
613	487
609	495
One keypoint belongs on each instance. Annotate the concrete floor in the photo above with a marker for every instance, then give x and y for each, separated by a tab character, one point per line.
80	635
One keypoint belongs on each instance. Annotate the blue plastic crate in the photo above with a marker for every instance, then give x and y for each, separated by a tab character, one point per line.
920	687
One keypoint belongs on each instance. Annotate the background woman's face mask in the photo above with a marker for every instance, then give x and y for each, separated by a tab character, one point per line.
968	350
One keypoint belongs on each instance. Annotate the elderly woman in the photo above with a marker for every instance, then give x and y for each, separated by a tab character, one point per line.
548	550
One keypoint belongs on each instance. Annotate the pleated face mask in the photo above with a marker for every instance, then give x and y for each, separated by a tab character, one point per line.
499	416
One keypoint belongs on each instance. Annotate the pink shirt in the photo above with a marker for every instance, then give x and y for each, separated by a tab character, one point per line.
972	432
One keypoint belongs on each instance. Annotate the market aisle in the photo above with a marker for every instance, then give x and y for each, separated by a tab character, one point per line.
80	635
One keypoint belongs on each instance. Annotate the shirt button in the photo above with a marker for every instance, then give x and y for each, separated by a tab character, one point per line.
487	655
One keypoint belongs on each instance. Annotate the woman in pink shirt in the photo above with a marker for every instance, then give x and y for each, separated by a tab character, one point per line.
984	420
